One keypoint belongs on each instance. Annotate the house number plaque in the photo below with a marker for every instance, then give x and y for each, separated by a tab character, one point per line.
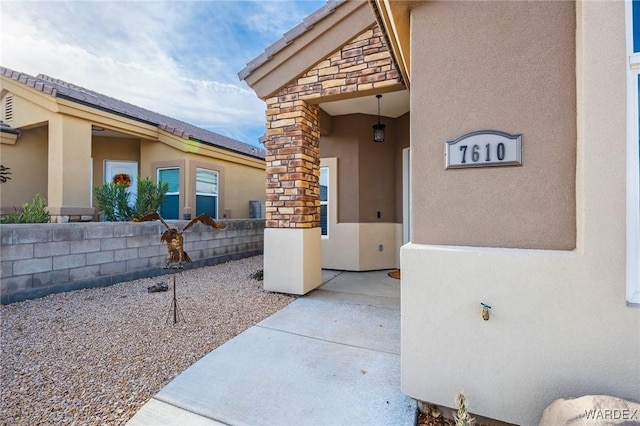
483	148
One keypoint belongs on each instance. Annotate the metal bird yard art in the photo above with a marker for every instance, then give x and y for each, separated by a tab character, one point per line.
174	238
175	252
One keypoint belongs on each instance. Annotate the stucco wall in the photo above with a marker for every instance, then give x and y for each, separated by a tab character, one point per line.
365	178
559	324
107	148
239	184
507	66
368	177
25	113
28	162
401	137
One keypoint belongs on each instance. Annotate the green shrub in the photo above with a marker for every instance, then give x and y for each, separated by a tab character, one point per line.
114	199
36	212
150	197
257	275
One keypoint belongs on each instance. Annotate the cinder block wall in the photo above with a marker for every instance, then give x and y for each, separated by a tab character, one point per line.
41	259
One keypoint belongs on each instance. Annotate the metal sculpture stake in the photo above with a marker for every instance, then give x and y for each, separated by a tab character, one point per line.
175	250
177	313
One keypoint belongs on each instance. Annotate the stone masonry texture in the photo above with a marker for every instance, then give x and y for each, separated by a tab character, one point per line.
293	129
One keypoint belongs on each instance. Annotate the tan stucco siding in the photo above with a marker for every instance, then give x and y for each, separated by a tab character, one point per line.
238	184
377	172
401	138
27	160
369	173
343	144
25	113
559	325
70	164
507	66
106	148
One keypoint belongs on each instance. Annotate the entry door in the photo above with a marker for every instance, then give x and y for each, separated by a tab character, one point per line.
406	195
125	172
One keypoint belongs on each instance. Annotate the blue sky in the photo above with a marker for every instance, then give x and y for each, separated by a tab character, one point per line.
180	59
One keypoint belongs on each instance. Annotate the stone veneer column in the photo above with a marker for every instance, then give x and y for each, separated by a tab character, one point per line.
292	240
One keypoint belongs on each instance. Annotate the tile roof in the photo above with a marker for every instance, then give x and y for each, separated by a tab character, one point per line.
64	90
5	128
290	36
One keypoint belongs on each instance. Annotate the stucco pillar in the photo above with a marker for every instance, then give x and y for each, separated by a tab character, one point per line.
292	241
69	169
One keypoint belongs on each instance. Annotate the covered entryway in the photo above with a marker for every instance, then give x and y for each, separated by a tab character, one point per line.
323	166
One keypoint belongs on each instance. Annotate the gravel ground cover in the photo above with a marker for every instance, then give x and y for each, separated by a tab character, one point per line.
96	356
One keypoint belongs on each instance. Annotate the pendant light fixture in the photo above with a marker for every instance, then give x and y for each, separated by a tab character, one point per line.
378	129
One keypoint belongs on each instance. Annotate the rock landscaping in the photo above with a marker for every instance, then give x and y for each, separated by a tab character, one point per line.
96	356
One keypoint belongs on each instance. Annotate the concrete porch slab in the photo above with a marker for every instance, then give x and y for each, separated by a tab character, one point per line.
315	362
375	288
367	327
156	412
270	377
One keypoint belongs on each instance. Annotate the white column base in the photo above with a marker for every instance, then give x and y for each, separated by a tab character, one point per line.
292	260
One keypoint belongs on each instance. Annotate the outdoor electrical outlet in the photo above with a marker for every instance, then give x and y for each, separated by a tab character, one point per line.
380	247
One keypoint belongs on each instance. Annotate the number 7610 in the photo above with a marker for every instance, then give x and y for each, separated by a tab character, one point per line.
476	151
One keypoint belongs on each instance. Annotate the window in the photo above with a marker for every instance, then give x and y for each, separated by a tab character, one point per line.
633	151
324	201
170	208
207	192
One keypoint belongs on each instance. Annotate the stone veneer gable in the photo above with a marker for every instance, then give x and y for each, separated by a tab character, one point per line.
293	135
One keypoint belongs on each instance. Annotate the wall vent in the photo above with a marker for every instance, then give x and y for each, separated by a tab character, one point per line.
8	108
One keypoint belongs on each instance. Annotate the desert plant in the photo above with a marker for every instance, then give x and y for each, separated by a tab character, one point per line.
150	197
114	199
257	275
36	212
462	416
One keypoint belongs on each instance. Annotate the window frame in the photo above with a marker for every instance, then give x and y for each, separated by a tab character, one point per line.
326	202
158	170
632	162
205	194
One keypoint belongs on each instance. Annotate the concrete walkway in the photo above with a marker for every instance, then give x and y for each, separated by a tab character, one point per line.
329	358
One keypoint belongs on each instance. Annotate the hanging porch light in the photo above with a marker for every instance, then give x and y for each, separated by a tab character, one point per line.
378	129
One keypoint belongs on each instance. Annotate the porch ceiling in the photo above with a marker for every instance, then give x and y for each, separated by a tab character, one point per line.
392	104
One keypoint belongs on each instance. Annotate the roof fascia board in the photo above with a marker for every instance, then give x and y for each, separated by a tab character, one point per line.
38	97
346	22
74	108
107	119
8	138
200	148
394	18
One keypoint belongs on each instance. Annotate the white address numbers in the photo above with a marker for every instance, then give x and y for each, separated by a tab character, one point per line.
483	148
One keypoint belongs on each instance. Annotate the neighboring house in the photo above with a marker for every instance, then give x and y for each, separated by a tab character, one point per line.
551	242
60	140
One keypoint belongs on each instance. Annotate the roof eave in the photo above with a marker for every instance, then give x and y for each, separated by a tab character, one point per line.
393	17
300	50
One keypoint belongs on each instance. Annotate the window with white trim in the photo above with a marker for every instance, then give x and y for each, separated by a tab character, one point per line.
170	207
207	192
324	201
633	152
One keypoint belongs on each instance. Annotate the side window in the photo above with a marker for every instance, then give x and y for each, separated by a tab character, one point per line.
207	192
324	201
170	208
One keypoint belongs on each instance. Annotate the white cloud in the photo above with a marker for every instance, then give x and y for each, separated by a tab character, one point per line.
180	59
